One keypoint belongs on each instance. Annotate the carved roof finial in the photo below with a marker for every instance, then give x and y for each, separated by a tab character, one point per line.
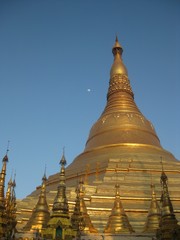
63	160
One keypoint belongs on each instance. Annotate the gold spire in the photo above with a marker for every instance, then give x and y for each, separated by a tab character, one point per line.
59	225
2	198
60	204
2	179
121	121
8	193
118	67
118	220
168	226
11	209
153	218
40	215
80	219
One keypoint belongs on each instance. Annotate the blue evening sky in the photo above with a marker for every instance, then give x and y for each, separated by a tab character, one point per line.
55	59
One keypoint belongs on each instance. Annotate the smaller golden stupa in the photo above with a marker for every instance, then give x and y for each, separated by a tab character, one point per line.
80	218
154	214
118	220
39	217
168	227
59	225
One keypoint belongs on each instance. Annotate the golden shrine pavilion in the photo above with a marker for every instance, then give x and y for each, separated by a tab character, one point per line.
131	184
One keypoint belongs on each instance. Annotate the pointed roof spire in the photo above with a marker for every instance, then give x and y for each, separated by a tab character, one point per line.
44	178
60	211
117	48
154	214
165	198
80	218
2	178
118	66
11	208
40	215
60	204
8	193
118	220
168	223
63	160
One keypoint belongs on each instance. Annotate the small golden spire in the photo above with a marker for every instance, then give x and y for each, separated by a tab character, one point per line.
60	204
80	218
40	215
2	198
8	193
154	214
168	222
118	220
117	47
60	212
10	209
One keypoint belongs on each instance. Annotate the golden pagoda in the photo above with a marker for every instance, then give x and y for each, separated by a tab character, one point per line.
153	218
59	225
80	219
39	217
118	220
168	227
121	135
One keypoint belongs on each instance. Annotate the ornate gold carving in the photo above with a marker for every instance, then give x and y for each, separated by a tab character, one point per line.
119	82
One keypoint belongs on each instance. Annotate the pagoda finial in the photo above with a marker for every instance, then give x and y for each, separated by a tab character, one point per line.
5	158
14	181
7	147
44	178
119	81
63	160
117	47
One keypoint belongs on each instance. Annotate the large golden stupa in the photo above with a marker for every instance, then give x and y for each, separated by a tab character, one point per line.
122	148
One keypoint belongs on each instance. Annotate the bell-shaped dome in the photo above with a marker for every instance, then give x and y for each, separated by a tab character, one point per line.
121	121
